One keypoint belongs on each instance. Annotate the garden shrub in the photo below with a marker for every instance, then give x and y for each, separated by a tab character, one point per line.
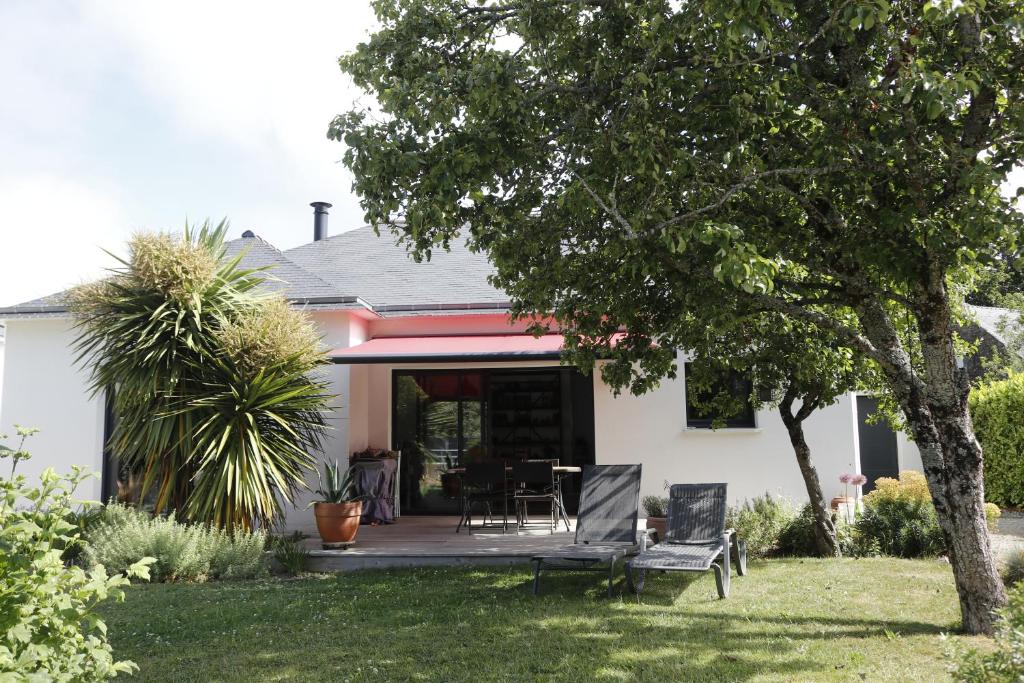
761	522
797	538
1013	568
992	515
49	628
899	517
183	552
996	408
290	552
1004	663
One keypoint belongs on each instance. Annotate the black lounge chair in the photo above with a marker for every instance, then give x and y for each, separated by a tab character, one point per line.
605	524
696	539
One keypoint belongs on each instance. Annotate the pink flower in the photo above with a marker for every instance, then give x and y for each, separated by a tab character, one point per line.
858	480
845	478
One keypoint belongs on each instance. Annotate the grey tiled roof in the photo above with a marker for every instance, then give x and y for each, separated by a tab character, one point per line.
283	275
376	269
348	270
46	306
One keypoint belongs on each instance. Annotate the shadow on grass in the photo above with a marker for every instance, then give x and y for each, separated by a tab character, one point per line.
475	624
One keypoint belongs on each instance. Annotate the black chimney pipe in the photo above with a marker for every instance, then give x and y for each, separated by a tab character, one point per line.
320	220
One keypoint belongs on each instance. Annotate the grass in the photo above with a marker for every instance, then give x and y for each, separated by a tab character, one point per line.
788	620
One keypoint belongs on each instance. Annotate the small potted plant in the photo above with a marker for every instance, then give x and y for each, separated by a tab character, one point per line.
656	508
339	508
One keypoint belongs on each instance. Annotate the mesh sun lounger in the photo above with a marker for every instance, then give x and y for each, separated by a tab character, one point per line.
605	524
696	539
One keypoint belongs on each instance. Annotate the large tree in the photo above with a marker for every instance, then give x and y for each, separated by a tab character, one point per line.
837	162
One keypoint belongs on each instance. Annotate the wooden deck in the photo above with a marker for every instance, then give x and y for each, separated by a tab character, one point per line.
416	541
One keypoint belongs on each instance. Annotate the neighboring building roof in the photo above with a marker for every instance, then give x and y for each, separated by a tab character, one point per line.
351	270
998	322
358	262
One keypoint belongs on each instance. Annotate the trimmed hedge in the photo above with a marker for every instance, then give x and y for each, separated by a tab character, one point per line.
997	409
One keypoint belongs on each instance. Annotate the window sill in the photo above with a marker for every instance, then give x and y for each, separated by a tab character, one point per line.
723	430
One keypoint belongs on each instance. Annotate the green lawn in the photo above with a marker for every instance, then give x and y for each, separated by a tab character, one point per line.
788	620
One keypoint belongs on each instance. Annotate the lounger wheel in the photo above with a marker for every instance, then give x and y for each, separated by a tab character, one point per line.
635	582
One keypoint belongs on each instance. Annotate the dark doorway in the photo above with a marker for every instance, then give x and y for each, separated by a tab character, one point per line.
879	456
449	418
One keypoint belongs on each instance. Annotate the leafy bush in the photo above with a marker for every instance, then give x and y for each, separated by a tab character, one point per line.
797	537
899	517
1005	663
992	515
49	628
996	408
655	506
761	522
289	552
183	552
1013	569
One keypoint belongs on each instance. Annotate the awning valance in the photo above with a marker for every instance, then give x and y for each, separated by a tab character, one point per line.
460	349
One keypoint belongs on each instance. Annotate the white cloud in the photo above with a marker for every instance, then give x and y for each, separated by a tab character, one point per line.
36	256
263	76
116	116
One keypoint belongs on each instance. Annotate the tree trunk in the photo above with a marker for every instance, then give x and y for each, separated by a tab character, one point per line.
936	411
824	526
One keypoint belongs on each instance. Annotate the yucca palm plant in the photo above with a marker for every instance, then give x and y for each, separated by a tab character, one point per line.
162	334
146	331
258	415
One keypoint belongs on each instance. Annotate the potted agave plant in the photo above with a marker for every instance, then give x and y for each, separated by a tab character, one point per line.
656	508
339	508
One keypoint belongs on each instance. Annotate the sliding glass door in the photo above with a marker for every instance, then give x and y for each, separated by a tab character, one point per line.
438	424
448	418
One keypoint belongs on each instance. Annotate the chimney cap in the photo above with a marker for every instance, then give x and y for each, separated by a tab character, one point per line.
248	233
321	205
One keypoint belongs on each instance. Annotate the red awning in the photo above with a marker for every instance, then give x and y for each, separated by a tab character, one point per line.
464	349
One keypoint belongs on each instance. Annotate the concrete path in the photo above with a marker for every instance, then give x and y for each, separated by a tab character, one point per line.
1011	534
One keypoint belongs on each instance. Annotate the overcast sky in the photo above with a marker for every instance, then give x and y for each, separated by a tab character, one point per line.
122	115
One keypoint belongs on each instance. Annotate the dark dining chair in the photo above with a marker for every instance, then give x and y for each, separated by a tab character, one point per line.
534	481
484	484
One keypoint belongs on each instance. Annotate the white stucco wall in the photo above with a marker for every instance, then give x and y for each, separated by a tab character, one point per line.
347	419
1	371
42	388
651	429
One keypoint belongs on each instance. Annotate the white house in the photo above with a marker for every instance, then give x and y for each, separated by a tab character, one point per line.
409	337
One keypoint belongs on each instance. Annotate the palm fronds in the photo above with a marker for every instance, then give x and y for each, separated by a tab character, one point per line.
186	403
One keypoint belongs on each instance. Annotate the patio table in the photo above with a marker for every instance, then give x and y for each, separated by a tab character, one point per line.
560	471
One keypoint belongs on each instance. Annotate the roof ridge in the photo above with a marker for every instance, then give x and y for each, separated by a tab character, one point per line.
320	280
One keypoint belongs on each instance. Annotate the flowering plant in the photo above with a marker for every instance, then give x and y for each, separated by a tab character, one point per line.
849	479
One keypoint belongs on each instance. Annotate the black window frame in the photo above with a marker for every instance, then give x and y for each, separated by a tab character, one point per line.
742	388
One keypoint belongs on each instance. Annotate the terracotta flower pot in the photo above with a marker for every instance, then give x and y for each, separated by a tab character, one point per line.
659	524
842	500
338	522
451	485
